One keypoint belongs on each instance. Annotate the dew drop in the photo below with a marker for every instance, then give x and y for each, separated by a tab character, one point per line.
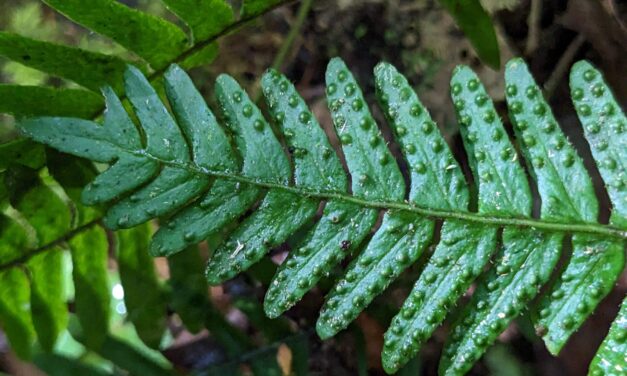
489	116
304	117
248	110
589	75
383	159
516	107
349	89
481	99
405	94
357	105
415	110
427	126
473	84
258	125
420	168
331	89
568	160
374	140
584	110
597	90
531	92
292	101
460	104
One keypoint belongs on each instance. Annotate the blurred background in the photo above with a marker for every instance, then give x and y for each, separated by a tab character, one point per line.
423	41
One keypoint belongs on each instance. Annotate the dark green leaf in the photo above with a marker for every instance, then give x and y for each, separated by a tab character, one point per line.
23	152
89	69
60	365
205	18
150	37
46	101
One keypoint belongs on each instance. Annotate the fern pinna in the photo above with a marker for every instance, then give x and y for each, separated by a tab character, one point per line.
198	178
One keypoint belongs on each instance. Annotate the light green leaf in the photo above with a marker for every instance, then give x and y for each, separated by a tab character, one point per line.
143	294
567	194
48	305
92	297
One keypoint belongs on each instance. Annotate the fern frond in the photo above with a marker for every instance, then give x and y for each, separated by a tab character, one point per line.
189	174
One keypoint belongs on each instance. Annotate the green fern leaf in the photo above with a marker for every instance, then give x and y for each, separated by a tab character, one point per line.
567	194
201	184
280	213
463	251
14	312
605	126
526	257
610	358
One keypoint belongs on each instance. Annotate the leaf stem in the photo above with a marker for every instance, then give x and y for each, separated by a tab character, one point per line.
566	227
291	36
34	252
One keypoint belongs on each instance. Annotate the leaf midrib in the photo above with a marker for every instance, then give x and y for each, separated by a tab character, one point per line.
572	228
